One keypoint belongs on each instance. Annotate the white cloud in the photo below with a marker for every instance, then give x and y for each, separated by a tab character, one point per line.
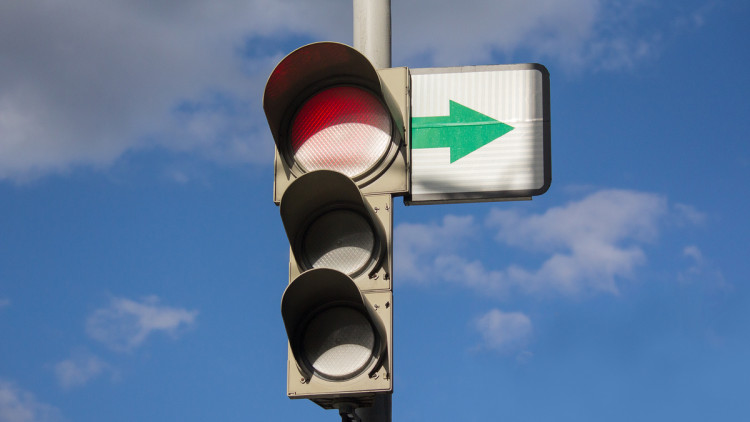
125	324
701	269
603	217
504	331
592	241
79	370
17	405
693	252
687	214
575	33
85	81
468	32
416	240
587	245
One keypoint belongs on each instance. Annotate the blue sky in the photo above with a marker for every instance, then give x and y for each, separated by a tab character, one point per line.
142	260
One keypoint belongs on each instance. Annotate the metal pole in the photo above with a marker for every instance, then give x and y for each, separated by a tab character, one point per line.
372	31
379	412
372	37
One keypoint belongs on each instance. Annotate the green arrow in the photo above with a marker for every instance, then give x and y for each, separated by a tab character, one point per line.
463	131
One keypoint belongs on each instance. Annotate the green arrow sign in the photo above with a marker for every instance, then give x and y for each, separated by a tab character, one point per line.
463	131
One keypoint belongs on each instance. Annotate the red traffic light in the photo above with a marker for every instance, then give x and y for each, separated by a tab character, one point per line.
342	128
328	108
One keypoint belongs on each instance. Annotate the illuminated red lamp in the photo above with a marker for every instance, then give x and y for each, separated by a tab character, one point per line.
342	128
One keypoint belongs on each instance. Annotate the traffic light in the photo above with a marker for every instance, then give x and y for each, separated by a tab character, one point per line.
341	153
337	309
329	108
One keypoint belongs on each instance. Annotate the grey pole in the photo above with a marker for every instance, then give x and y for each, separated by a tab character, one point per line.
372	37
372	31
379	412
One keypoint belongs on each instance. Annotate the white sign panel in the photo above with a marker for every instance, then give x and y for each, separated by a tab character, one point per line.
479	133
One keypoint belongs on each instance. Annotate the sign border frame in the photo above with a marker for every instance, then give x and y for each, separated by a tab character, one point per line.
491	196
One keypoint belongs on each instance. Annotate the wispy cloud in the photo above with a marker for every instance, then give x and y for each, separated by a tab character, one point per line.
687	214
125	324
418	240
701	269
4	302
586	245
80	369
592	241
85	81
17	405
469	32
597	34
504	331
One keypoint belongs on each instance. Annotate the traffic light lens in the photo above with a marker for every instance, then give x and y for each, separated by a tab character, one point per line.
338	343
343	128
342	240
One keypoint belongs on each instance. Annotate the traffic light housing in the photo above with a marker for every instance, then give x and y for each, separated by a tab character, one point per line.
340	339
330	224
337	309
329	108
341	133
